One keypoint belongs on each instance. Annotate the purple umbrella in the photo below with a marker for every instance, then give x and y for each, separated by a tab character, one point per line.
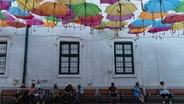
68	16
9	17
119	18
96	23
34	21
4	5
108	1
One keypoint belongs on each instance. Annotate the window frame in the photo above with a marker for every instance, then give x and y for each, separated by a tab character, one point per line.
4	55
69	55
123	55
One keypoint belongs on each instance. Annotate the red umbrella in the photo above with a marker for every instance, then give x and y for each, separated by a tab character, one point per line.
172	18
158	29
34	21
16	24
91	20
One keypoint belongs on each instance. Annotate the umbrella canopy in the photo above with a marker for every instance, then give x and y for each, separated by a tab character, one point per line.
121	8
142	23
20	13
16	24
94	18
178	26
180	8
158	29
157	6
149	16
9	17
34	21
38	1
119	18
3	24
85	9
54	8
172	18
4	5
160	24
28	4
38	12
138	30
49	24
68	16
101	26
115	25
108	1
52	18
2	16
71	2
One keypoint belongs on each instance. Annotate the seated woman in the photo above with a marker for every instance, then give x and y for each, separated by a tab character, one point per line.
32	92
165	92
55	93
137	92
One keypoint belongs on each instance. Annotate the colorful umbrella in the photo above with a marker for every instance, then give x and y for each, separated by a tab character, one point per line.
159	24
49	24
52	18
71	2
91	20
138	30
38	12
9	17
121	8
28	4
3	23
172	18
16	24
4	5
34	21
180	8
159	6
67	16
85	9
2	16
115	25
148	16
119	18
20	13
178	26
101	26
108	1
158	29
54	9
142	23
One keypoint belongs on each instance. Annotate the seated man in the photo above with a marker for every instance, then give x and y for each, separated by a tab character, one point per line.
137	92
21	93
113	93
68	93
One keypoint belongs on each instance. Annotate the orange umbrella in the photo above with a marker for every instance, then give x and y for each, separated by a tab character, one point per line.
38	0
16	24
3	23
49	24
138	30
54	8
149	16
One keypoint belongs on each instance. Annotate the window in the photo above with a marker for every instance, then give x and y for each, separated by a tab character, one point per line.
69	58
3	51
123	52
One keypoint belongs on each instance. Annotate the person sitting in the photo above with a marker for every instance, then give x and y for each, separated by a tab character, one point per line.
165	92
137	92
32	92
21	93
68	94
79	92
55	93
113	93
40	94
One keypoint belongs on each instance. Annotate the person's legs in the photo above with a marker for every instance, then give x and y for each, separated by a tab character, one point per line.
141	98
163	98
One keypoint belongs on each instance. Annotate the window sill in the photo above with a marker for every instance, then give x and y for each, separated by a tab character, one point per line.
3	76
69	76
125	76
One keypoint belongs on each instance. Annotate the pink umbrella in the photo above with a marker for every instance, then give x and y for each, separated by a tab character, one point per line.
4	5
9	17
34	21
91	20
119	18
38	12
158	29
108	1
68	16
96	23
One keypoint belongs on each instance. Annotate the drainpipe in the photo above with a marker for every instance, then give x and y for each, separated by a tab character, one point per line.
25	55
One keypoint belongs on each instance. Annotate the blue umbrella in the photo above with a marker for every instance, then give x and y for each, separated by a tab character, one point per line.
157	6
159	24
142	23
16	11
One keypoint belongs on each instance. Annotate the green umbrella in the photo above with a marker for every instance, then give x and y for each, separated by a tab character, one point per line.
180	8
85	9
52	18
2	16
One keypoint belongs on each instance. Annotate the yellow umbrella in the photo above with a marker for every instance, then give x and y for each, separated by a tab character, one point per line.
70	2
54	9
3	23
28	4
114	24
121	8
49	24
148	16
178	26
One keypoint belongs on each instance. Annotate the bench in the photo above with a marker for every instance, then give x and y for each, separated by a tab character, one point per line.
89	95
7	94
150	93
178	94
127	95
